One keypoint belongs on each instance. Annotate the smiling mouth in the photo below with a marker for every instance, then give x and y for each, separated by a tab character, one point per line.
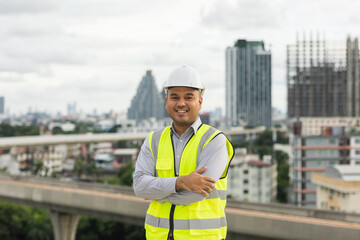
181	111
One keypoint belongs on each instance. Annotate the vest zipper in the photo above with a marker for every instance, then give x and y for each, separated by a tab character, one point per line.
172	210
171	218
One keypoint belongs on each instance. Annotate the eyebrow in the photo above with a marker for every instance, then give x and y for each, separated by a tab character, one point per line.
187	94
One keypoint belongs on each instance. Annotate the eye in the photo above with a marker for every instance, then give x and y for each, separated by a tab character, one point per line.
174	98
188	98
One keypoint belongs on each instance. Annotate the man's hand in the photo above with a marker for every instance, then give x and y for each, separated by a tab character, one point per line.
195	182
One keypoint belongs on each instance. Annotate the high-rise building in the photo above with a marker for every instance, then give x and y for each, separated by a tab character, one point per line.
323	81
2	105
248	84
147	101
163	107
71	109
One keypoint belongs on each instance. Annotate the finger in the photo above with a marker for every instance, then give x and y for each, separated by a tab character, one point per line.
201	170
205	193
209	179
212	186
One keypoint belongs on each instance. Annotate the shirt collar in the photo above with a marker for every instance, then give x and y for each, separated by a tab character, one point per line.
195	126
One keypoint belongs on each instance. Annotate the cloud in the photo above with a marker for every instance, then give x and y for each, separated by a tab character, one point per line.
28	6
11	78
244	14
18	65
31	30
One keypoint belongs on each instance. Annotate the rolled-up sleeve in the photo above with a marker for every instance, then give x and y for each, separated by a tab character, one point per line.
146	185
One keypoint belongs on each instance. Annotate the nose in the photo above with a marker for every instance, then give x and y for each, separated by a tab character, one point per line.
181	102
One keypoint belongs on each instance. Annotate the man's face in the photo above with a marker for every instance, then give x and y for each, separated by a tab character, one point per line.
183	105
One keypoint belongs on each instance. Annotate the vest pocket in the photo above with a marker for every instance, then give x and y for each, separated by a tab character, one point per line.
164	167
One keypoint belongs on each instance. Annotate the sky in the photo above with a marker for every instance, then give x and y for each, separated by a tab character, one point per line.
95	52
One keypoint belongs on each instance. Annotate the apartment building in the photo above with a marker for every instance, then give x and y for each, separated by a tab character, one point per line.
252	179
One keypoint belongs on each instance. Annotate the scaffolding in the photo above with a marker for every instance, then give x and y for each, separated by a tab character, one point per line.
322	81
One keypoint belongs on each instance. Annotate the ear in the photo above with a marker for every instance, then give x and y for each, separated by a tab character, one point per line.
166	98
200	101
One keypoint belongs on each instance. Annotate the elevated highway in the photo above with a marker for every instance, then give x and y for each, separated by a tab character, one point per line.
66	201
46	140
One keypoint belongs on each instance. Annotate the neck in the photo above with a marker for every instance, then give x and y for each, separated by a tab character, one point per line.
180	129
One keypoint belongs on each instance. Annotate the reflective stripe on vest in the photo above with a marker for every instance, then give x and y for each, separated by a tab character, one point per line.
199	219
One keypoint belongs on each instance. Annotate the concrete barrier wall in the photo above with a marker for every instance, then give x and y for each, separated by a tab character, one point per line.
278	224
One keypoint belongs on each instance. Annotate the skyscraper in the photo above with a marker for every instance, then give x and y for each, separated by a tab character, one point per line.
147	101
248	84
2	105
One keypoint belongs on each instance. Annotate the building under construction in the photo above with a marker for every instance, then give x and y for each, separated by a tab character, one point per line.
323	81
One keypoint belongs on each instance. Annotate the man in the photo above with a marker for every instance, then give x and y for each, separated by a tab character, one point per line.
183	168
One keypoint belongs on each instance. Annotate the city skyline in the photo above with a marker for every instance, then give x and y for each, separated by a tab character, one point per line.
94	53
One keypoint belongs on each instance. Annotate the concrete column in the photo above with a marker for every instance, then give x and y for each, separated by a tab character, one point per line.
64	225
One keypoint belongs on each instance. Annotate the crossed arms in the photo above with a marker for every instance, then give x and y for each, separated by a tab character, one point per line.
182	190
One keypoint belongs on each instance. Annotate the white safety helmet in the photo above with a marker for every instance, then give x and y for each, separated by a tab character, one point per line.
184	76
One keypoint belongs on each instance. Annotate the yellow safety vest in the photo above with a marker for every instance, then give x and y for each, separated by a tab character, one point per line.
200	220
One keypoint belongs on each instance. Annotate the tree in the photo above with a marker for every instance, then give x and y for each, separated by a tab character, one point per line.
6	130
125	174
79	166
122	144
264	138
90	169
37	167
94	229
18	222
57	130
283	175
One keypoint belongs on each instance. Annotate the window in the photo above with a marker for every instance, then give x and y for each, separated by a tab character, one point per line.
246	171
246	181
357	140
246	191
357	152
332	141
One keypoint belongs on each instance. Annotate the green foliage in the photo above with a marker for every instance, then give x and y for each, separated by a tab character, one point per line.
57	130
283	175
37	167
281	138
79	166
94	229
125	174
18	222
264	138
6	130
243	144
262	150
91	169
115	128
122	144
